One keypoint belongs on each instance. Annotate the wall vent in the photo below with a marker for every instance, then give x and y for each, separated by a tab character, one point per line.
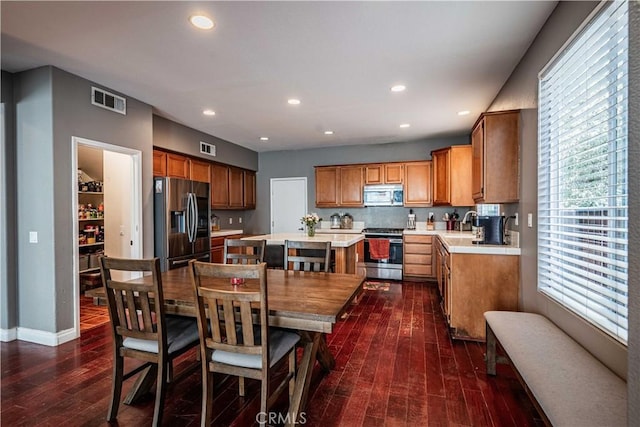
208	149
108	100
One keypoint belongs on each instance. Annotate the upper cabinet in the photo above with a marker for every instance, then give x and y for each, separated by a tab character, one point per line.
178	166
495	160
384	173
249	189
417	184
159	163
200	171
339	186
327	186
219	186
452	176
351	185
236	188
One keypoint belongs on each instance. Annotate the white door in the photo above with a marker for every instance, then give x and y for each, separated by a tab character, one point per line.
288	204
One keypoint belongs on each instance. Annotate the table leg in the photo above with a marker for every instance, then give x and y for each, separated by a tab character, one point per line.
324	356
311	342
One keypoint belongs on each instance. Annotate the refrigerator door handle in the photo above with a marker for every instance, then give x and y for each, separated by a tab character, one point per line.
194	205
189	218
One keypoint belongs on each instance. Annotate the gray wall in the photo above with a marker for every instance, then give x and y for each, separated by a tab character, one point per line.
53	106
9	262
174	136
300	163
633	376
520	92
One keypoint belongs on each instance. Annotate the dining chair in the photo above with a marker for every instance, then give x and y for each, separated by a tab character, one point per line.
309	256
141	330
229	341
247	252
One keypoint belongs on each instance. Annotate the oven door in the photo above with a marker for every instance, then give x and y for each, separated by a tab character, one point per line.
390	268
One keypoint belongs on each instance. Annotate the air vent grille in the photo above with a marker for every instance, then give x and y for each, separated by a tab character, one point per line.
108	100
208	149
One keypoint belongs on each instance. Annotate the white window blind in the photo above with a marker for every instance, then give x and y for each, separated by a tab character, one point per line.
582	172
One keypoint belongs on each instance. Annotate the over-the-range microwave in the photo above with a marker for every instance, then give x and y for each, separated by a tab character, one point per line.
383	195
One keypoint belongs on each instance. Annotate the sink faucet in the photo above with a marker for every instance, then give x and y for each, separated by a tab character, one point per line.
464	219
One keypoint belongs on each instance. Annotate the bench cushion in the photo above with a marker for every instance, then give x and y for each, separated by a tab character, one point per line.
571	386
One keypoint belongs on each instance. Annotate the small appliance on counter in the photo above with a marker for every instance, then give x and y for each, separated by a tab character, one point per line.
411	220
490	230
336	220
346	221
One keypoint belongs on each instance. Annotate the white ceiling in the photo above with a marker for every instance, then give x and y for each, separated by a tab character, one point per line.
339	58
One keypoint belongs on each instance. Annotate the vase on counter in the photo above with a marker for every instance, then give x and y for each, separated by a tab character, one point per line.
311	230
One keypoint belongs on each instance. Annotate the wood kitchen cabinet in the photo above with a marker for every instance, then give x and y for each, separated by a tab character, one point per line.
417	184
200	171
351	186
178	166
471	284
384	173
227	188
219	186
159	163
327	186
217	247
496	157
249	179
452	176
417	257
236	188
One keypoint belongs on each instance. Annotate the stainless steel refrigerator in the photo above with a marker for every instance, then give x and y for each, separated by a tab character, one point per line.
181	221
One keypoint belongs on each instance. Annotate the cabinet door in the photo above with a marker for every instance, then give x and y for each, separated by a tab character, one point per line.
177	166
417	184
217	255
501	157
159	163
351	186
460	176
236	188
327	186
374	174
477	161
393	173
219	186
249	189
441	171
200	171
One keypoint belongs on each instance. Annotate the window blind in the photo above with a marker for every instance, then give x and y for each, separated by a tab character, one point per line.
582	172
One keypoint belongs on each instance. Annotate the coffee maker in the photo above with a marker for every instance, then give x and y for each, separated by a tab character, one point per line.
411	220
493	229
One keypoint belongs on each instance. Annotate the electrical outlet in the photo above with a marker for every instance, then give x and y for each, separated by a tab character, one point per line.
239	220
515	221
33	237
530	220
230	221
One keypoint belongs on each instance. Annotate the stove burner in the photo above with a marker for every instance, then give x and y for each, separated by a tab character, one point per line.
381	230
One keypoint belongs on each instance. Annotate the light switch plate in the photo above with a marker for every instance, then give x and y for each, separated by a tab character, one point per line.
33	237
530	220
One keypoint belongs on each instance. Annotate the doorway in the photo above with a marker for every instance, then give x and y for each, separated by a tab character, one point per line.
288	204
107	193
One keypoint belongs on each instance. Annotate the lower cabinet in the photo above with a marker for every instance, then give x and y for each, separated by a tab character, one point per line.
217	247
471	284
417	257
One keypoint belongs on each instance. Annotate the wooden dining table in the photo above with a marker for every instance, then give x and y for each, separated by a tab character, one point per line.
308	302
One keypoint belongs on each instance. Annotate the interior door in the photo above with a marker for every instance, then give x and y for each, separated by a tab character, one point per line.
288	204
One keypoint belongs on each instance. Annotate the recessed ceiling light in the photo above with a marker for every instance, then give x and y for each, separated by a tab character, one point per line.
209	113
202	22
398	88
293	101
405	125
464	112
264	138
328	132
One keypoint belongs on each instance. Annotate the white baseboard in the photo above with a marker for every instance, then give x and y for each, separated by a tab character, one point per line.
51	339
7	335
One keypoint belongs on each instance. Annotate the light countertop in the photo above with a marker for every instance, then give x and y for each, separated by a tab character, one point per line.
222	233
337	240
461	242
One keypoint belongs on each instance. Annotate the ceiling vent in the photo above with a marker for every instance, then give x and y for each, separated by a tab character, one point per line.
208	149
108	100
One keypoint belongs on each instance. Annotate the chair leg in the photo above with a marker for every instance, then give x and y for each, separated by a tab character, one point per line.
207	396
292	371
264	391
241	386
491	351
161	387
116	388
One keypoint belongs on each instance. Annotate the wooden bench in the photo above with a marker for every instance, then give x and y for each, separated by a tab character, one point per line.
568	386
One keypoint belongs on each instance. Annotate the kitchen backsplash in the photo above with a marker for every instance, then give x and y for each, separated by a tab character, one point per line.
394	217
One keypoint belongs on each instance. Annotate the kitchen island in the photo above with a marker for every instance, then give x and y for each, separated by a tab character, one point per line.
343	245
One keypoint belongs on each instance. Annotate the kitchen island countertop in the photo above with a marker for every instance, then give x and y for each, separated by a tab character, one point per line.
221	233
337	240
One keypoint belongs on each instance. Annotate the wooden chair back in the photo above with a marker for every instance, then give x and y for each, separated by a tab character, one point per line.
307	256
236	251
220	310
131	312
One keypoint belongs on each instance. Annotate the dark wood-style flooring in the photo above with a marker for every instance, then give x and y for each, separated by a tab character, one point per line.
396	366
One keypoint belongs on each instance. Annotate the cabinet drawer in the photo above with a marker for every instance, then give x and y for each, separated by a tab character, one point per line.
417	248
417	259
217	241
414	238
417	270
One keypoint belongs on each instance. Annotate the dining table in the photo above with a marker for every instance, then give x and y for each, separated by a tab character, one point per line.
310	303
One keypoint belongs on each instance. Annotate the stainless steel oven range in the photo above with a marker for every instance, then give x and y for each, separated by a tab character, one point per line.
383	268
